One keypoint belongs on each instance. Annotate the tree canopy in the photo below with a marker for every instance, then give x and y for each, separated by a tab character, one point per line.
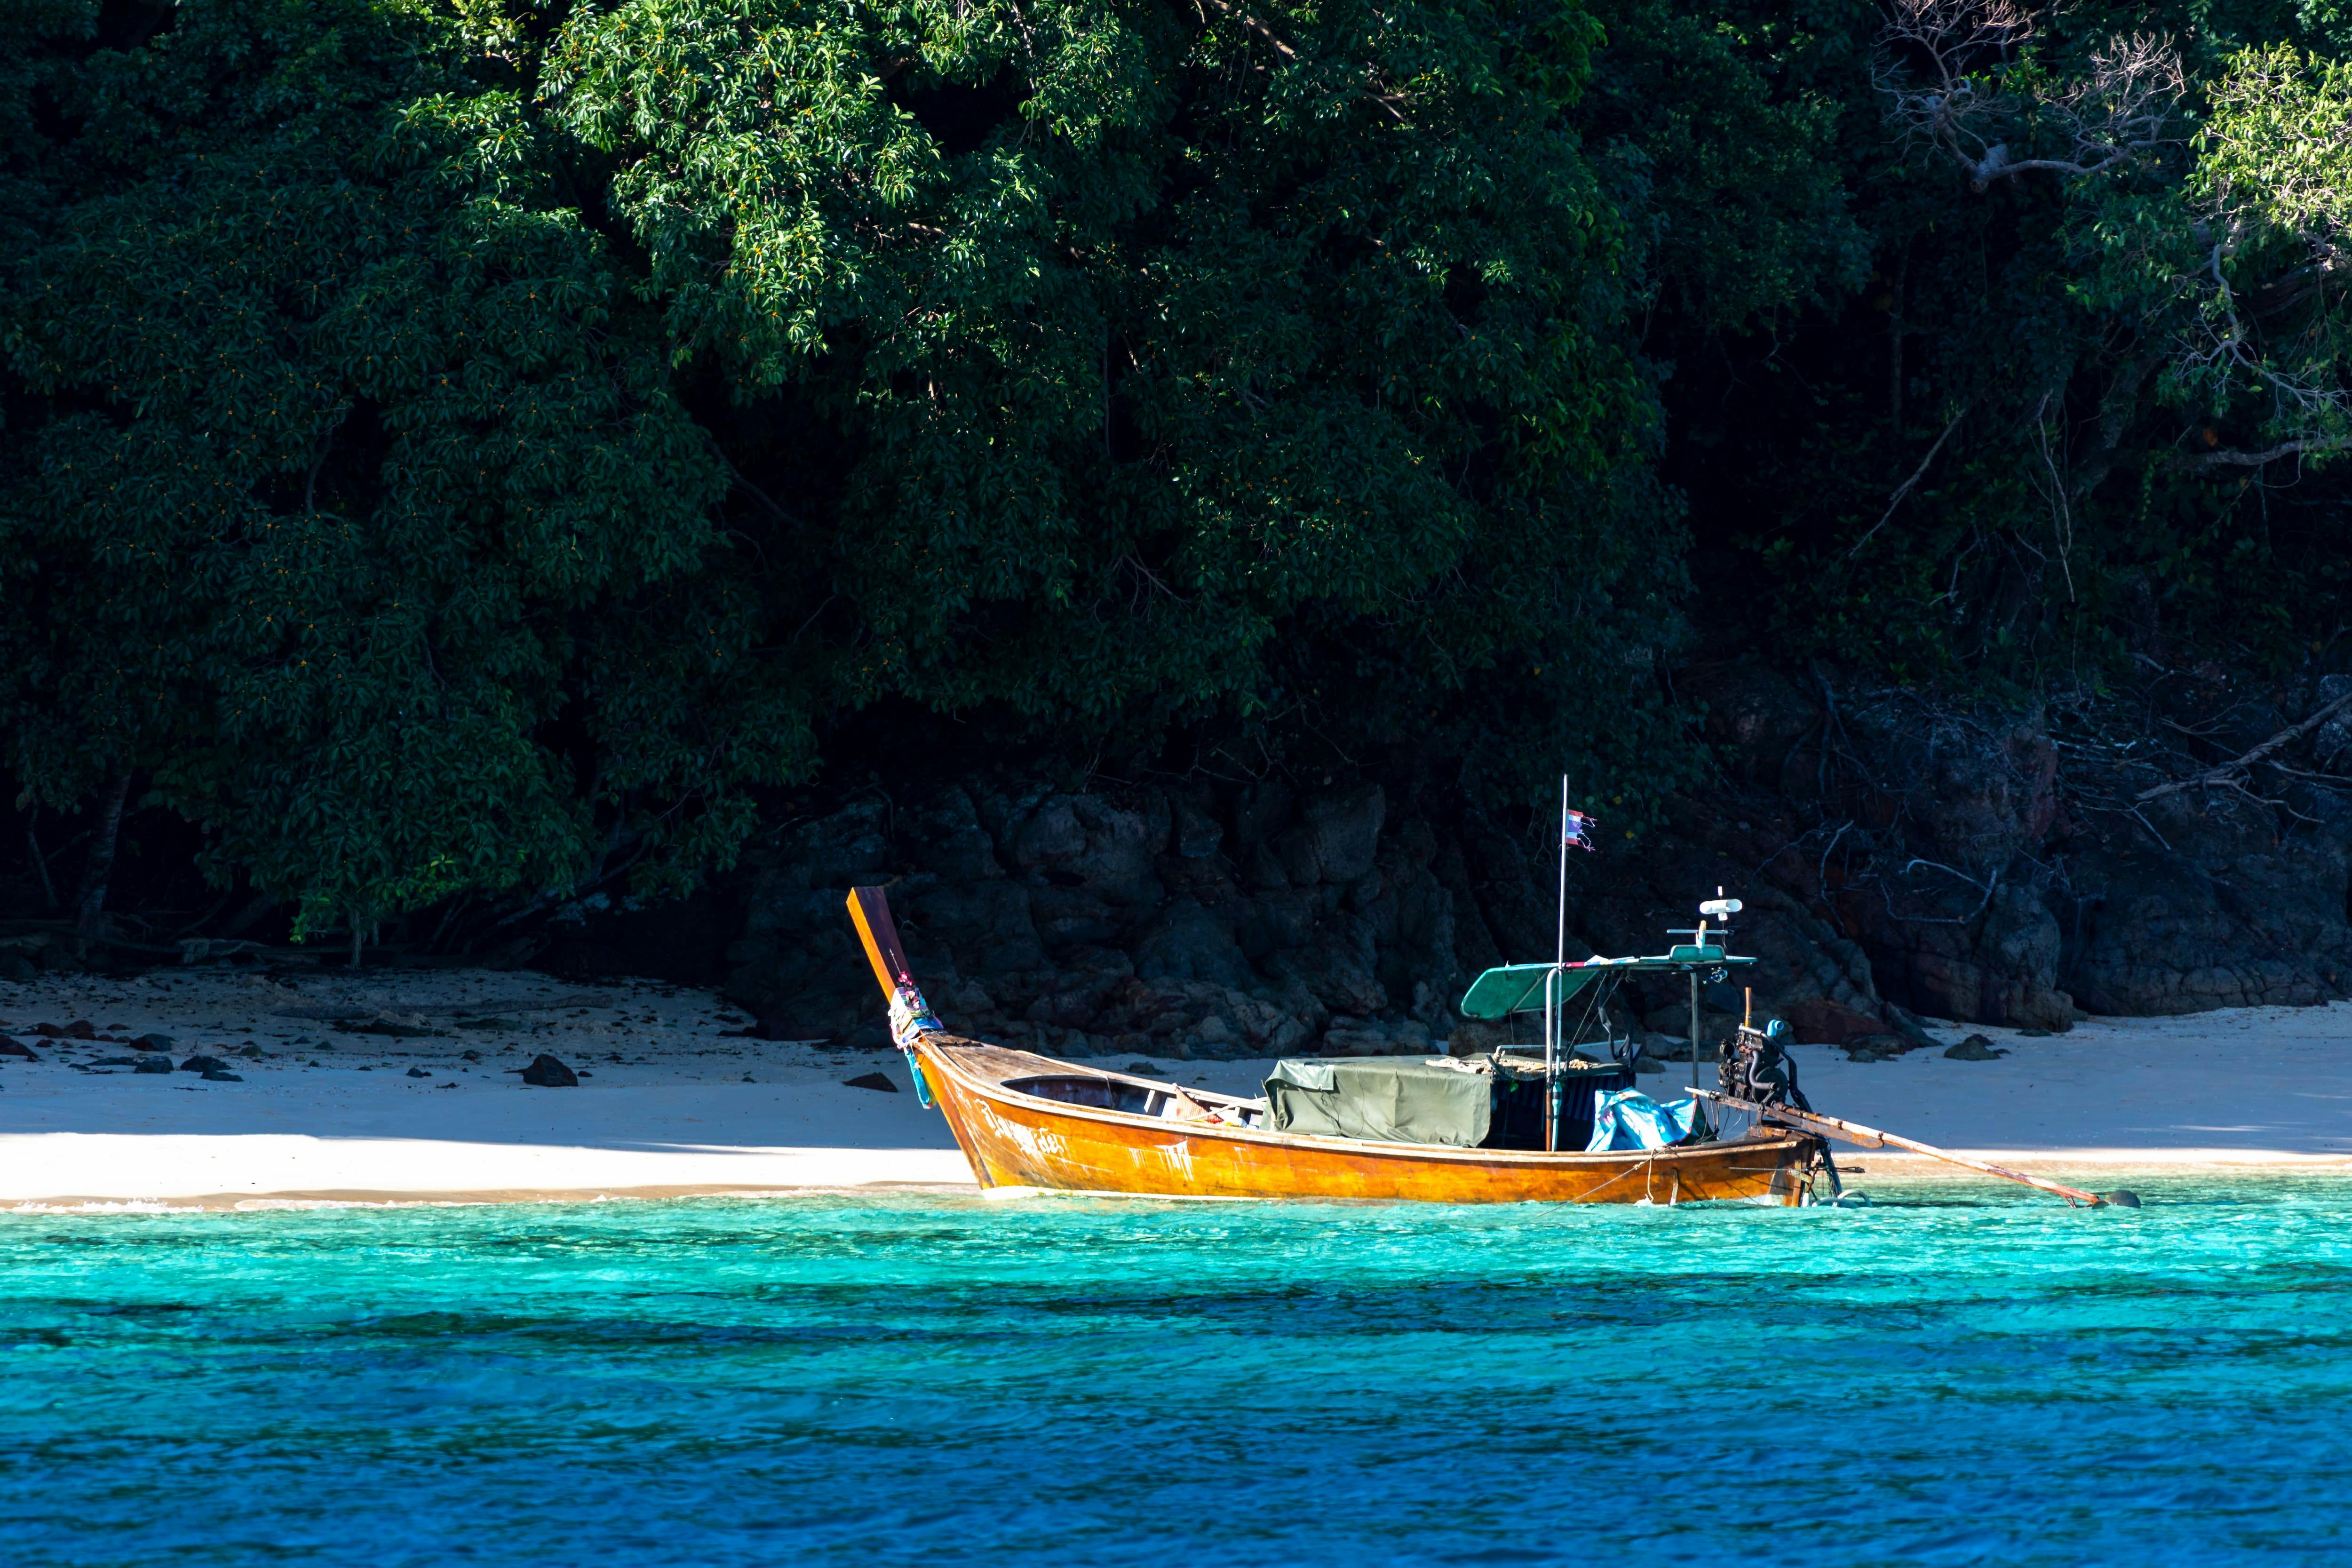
2086	413
460	447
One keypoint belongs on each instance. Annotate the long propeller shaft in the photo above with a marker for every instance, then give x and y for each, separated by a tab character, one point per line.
1872	1138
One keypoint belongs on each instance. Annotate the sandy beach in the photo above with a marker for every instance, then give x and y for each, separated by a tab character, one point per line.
397	1086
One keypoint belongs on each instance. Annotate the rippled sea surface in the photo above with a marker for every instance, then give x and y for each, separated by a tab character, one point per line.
1956	1375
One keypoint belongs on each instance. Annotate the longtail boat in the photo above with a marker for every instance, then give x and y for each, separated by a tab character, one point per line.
1506	1127
1024	1121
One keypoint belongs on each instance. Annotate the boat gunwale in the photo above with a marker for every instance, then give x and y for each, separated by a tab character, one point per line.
997	1091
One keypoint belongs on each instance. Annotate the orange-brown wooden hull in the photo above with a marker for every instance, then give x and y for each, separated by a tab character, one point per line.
1013	1138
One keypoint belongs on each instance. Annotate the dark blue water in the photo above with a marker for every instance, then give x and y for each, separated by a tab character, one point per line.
1965	1377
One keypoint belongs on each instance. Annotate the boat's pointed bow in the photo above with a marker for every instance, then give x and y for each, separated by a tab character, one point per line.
910	1016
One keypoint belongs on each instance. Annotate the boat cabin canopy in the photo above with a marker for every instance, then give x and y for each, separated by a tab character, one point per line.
1521	988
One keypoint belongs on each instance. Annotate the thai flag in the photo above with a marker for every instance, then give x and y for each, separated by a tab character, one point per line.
1573	827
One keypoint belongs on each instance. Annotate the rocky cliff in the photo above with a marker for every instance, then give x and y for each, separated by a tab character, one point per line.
1898	862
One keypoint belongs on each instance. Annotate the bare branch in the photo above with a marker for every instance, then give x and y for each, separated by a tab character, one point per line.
2209	461
1939	66
1944	69
2231	773
2062	515
1905	488
1989	887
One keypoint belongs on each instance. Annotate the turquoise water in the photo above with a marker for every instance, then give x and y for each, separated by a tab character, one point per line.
1964	1376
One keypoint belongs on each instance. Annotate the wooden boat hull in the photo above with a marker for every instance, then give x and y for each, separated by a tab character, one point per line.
1016	1139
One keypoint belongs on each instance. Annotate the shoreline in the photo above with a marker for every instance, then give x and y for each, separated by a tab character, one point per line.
822	1174
1922	1171
316	1201
402	1090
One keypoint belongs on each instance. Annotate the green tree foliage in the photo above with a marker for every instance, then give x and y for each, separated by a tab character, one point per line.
2080	417
452	449
343	471
2267	203
1149	335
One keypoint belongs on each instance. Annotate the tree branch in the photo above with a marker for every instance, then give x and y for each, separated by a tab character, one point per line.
1962	104
1281	47
2221	775
1906	486
2212	460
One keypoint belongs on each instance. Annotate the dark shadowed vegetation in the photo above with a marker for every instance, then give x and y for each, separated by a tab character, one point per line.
458	456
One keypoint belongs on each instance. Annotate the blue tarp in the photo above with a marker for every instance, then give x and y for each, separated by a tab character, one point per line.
1628	1119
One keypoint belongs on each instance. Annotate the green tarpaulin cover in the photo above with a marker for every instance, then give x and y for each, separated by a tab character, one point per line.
1389	1100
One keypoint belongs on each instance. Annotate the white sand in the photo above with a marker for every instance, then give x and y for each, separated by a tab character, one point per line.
673	1113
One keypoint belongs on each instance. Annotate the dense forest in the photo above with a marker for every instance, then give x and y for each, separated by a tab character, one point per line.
459	454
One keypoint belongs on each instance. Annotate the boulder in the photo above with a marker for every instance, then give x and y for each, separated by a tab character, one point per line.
879	1082
1188	942
1817	1021
153	1065
2227	913
1052	837
1876	1047
1975	1049
14	1047
956	847
1985	889
985	924
1335	975
1198	834
1089	842
546	1072
204	1064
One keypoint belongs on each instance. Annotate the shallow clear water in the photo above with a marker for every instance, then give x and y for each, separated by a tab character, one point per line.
1963	1377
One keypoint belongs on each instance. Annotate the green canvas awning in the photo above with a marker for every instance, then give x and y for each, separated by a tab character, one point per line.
1519	987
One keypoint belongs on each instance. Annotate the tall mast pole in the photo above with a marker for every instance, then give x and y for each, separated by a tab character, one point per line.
1559	937
1551	987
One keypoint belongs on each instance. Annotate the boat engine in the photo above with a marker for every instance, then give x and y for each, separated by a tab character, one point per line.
1755	1064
